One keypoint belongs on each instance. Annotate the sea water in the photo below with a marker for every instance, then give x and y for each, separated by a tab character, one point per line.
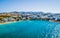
30	29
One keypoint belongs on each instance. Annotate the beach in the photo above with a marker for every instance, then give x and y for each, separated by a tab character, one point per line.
6	22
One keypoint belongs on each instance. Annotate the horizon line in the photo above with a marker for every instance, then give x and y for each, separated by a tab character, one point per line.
29	11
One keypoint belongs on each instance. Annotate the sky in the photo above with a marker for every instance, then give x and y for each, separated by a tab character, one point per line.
52	6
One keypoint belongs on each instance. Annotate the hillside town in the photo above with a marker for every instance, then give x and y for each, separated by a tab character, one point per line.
17	16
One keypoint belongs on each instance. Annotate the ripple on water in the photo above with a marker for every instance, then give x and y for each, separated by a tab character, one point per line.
30	29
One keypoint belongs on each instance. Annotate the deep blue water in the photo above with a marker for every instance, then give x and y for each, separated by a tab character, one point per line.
30	29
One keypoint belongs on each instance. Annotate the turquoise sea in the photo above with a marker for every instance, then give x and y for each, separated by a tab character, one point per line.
30	29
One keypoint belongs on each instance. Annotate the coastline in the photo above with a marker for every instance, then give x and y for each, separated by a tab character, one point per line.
21	20
54	21
6	22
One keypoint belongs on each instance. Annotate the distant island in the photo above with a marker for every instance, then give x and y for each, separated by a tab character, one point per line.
17	16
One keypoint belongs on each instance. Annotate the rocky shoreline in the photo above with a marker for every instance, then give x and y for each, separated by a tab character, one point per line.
17	16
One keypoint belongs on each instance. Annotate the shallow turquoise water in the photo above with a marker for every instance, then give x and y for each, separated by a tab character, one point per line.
30	29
